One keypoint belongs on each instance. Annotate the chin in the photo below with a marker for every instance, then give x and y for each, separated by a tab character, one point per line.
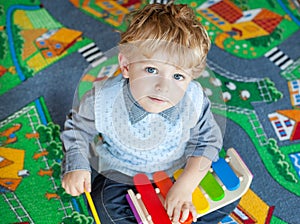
154	110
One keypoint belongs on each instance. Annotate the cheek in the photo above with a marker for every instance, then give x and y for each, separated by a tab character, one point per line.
176	93
139	88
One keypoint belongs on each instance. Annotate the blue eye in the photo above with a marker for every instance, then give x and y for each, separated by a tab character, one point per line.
151	70
178	76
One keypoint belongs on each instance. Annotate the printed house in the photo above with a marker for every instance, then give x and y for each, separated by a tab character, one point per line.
294	89
240	24
286	124
115	11
54	42
11	168
252	209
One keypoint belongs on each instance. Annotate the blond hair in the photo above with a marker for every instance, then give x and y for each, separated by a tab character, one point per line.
171	27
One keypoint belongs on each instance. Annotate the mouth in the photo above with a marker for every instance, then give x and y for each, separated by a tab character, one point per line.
156	100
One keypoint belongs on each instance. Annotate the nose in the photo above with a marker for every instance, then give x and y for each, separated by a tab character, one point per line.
162	85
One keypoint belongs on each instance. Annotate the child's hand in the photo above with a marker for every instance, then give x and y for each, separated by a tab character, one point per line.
76	182
179	204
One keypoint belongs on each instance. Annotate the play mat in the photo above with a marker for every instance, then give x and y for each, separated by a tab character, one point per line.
255	61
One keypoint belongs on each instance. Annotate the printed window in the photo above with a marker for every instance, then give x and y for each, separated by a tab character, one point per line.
49	54
106	72
57	46
282	133
295	85
297	98
108	5
278	124
288	123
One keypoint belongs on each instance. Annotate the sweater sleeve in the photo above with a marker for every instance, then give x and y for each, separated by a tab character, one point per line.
79	132
205	137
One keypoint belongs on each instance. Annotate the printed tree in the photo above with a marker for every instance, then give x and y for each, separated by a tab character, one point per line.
50	134
280	162
54	150
3	46
265	41
55	129
56	170
276	95
77	218
65	197
18	39
44	133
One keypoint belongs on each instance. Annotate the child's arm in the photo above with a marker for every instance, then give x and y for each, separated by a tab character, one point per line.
179	199
78	132
202	148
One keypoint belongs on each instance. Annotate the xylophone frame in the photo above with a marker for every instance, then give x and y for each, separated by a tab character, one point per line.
245	175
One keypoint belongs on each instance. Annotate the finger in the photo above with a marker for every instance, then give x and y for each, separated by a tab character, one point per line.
176	213
194	213
184	212
73	191
87	184
77	189
169	208
67	190
170	211
80	188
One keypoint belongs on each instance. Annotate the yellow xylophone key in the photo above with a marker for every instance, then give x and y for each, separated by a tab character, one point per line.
199	200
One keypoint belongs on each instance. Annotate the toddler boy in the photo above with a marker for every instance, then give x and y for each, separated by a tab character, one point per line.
153	117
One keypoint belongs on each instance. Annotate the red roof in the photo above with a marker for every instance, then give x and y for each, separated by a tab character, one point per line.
267	20
227	10
296	132
130	3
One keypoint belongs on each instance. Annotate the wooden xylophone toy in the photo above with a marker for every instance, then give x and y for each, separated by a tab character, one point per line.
227	181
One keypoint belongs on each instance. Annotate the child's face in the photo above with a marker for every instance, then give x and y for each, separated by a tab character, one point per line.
155	85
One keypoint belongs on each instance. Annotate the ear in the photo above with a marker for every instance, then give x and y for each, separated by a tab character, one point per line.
123	62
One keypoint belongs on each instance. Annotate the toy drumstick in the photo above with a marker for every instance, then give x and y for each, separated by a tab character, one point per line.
92	207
